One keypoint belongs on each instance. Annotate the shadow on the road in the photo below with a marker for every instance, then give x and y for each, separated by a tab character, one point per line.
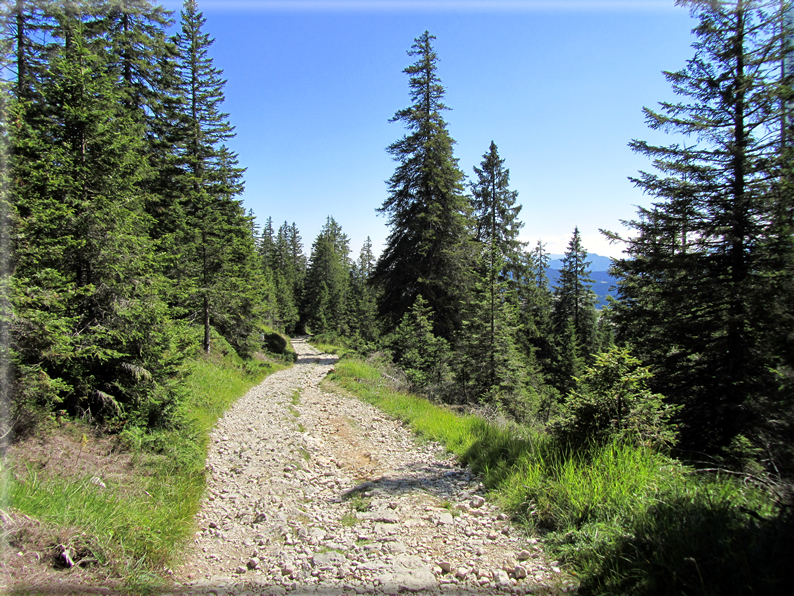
311	359
439	480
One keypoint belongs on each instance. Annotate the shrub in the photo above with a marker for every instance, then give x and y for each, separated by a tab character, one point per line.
612	399
277	343
423	357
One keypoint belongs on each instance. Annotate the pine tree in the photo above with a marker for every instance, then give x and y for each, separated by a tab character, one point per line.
288	263
6	377
574	315
535	300
90	330
496	216
324	305
423	356
145	62
363	301
493	366
135	30
426	251
489	366
29	25
705	291
217	271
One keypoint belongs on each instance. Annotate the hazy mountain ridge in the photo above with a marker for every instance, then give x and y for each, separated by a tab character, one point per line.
603	282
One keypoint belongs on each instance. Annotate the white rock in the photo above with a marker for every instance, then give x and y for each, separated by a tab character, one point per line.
500	577
476	502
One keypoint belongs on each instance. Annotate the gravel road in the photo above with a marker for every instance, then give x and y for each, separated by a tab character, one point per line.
317	492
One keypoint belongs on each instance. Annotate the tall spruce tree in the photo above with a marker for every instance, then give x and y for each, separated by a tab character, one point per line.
496	216
6	377
493	367
324	306
705	294
536	337
363	301
288	264
574	315
535	300
216	271
428	212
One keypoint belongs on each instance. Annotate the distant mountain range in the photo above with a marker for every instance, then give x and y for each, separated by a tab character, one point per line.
597	262
598	272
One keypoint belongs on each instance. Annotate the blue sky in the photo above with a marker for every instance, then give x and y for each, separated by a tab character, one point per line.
559	86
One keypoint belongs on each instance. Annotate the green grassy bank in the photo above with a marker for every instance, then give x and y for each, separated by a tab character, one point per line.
625	520
133	527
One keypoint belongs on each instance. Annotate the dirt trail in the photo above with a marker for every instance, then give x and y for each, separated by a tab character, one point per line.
316	492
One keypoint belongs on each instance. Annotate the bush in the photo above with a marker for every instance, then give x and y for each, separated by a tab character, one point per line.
612	399
277	343
423	357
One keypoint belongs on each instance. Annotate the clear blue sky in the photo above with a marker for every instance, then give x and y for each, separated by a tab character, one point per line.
558	85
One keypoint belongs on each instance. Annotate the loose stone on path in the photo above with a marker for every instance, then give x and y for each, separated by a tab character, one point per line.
326	494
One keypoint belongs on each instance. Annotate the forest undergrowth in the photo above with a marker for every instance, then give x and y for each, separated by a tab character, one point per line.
624	519
121	506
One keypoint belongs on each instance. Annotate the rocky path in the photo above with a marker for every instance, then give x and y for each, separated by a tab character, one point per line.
315	492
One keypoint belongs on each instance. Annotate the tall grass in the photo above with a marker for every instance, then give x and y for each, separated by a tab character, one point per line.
624	519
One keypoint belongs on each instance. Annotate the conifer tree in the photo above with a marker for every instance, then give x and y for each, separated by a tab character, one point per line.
28	24
574	316
145	61
363	302
493	367
324	306
6	377
216	273
423	356
289	266
135	32
428	213
704	296
91	332
535	300
496	216
266	243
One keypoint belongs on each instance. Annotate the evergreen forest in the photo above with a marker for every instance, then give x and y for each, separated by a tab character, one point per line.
128	255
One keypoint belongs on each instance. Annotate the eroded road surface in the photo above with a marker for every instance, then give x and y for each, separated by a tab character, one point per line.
317	492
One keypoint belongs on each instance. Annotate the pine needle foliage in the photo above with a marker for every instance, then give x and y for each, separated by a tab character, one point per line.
427	210
705	296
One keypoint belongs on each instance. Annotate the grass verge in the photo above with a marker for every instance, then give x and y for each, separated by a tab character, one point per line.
625	520
128	507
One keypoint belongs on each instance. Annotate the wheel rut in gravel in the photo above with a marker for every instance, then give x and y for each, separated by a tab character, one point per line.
317	492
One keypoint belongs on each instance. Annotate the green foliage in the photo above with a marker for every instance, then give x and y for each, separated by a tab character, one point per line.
623	518
423	357
324	304
216	271
90	332
705	289
611	400
427	248
489	367
574	316
362	301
